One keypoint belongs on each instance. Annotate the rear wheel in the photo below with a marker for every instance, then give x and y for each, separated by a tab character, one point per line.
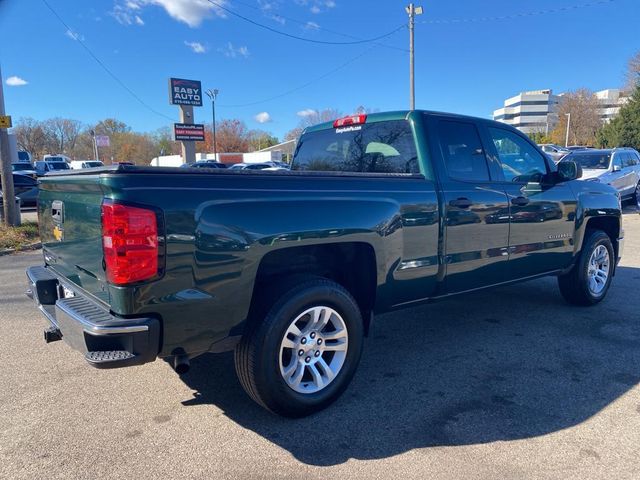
302	356
588	281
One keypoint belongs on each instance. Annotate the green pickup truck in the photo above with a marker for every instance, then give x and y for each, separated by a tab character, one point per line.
287	268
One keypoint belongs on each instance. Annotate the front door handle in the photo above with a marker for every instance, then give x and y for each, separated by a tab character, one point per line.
520	201
461	203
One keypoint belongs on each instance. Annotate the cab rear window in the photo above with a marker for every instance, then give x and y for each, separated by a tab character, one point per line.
383	147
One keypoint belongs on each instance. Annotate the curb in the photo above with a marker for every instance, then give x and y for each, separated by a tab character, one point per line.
24	248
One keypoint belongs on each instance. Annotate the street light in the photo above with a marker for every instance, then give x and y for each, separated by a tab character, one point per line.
212	95
566	139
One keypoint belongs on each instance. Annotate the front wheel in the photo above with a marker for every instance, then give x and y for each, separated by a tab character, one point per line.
637	196
588	281
302	356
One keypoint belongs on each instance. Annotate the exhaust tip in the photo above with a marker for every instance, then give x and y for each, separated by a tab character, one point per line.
181	364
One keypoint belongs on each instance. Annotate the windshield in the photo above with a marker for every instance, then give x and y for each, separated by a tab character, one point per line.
21	166
58	166
383	147
93	164
599	161
23	156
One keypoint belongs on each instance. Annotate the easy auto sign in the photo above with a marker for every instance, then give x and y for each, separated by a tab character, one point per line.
185	92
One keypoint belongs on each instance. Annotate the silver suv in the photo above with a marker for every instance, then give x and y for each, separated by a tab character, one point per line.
618	167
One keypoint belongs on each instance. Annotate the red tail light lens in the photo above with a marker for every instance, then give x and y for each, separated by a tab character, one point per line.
129	242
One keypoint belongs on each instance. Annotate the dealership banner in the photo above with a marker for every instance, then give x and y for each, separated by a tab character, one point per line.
185	92
102	140
188	132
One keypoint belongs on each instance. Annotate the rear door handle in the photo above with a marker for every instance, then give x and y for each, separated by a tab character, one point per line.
461	203
520	201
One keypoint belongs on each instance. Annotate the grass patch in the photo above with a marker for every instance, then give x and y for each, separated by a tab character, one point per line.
15	237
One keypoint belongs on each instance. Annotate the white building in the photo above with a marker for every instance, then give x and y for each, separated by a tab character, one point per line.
530	112
611	100
537	111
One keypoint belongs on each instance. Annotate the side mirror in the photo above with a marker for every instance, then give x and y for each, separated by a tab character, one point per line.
569	170
617	168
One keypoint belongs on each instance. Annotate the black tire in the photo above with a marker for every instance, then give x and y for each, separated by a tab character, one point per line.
636	197
574	286
257	357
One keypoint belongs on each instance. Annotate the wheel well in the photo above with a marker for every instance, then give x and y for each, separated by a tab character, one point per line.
609	225
350	264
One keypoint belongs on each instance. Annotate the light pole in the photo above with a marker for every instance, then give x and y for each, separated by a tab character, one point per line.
566	139
412	10
212	95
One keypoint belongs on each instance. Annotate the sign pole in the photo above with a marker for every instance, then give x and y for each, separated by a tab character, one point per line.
188	146
8	193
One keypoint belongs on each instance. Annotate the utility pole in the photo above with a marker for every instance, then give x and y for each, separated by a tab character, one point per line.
8	193
566	140
212	95
412	11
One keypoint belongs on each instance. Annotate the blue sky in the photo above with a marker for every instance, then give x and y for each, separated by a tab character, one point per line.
461	66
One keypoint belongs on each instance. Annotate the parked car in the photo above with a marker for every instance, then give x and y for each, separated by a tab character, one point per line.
43	166
381	212
56	158
26	189
251	166
204	164
24	168
554	151
578	147
80	164
618	167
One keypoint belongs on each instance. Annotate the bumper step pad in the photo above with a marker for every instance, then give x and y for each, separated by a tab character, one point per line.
110	358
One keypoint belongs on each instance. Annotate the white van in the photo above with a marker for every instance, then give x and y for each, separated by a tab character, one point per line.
79	164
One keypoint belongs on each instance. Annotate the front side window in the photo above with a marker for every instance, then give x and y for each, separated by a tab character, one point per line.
382	147
594	161
462	151
617	160
520	161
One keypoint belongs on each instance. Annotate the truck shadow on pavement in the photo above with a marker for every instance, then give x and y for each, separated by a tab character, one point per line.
506	364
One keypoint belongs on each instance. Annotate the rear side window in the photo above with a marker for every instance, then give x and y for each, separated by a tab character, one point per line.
383	147
521	162
462	151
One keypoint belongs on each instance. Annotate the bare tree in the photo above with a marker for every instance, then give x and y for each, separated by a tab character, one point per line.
62	134
31	136
583	106
632	76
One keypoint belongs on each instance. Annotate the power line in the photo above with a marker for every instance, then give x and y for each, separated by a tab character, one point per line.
293	90
518	15
277	16
303	39
104	67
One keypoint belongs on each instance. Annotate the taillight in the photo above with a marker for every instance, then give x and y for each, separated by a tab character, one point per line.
129	242
351	120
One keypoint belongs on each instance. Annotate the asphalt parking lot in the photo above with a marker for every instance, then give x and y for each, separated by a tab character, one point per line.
510	383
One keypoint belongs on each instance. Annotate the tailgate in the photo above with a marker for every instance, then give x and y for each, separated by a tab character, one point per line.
69	215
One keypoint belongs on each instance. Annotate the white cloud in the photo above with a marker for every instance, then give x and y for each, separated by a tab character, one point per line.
263	117
191	12
15	81
307	112
74	35
197	47
138	20
316	6
232	52
312	26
